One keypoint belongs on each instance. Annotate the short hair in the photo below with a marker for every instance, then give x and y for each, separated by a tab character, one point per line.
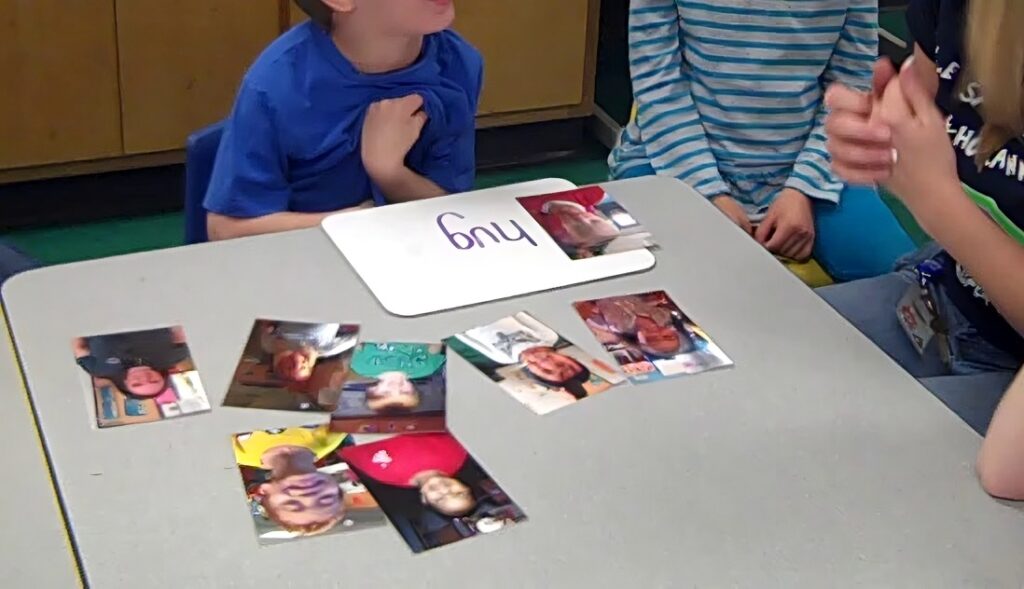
319	12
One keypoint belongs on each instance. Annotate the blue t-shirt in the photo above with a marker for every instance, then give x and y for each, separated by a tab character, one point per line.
292	142
998	187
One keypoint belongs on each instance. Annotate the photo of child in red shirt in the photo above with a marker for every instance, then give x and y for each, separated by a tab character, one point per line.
587	222
431	489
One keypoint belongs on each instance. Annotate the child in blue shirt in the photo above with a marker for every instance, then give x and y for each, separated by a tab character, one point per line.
371	102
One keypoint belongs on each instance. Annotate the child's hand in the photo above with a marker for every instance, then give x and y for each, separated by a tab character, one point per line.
788	228
924	169
859	143
734	211
390	130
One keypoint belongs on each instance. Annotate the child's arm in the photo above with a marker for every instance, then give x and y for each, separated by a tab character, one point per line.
225	227
249	191
80	345
391	128
403	185
851	64
1001	462
666	114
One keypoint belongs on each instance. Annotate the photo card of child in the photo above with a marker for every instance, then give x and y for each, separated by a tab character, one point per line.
298	485
393	387
587	222
141	376
431	489
650	336
533	364
293	366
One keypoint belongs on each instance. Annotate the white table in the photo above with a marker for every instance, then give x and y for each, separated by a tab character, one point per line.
34	547
814	462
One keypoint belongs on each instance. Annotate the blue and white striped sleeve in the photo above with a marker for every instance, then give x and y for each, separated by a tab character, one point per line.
667	117
851	64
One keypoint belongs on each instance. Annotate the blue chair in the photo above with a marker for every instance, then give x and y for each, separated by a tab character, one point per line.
200	153
14	261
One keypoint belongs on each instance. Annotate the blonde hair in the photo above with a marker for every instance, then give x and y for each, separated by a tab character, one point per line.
995	60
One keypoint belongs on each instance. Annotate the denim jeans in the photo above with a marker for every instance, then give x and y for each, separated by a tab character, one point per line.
978	374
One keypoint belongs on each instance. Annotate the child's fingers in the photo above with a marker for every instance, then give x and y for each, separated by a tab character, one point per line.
913	89
840	98
765	229
420	119
781	236
412	103
745	225
855	127
862	176
884	72
861	155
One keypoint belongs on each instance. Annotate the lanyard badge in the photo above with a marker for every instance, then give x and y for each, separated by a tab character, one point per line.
918	312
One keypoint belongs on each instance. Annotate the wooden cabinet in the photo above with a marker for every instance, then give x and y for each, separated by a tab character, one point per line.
58	70
536	51
99	85
181	64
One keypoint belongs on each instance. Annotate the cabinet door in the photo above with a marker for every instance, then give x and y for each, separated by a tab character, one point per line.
535	51
295	13
58	63
182	61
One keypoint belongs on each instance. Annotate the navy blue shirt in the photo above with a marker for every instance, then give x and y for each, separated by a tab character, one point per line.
938	28
292	142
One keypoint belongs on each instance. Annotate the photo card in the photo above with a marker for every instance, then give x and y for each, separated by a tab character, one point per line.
587	222
650	336
431	489
533	363
393	387
297	484
141	376
293	366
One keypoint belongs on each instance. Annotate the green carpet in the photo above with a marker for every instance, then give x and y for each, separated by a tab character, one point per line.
58	245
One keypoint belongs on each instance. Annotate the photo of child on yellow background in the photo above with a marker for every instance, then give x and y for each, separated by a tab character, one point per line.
293	366
298	485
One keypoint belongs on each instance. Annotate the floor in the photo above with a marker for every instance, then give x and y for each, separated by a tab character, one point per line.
58	245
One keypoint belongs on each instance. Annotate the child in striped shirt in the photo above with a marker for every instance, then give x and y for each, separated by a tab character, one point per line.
730	99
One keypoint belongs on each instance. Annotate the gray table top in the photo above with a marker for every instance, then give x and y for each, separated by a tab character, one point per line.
814	462
34	546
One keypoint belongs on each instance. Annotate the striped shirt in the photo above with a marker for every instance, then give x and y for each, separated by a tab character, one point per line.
730	92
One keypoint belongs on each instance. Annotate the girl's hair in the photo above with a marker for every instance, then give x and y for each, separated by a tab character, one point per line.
121	385
995	59
319	12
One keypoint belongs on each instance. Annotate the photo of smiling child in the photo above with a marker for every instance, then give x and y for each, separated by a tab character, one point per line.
141	376
650	337
393	387
534	364
431	489
293	366
587	222
298	485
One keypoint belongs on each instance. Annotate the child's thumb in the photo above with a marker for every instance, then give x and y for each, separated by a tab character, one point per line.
914	92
